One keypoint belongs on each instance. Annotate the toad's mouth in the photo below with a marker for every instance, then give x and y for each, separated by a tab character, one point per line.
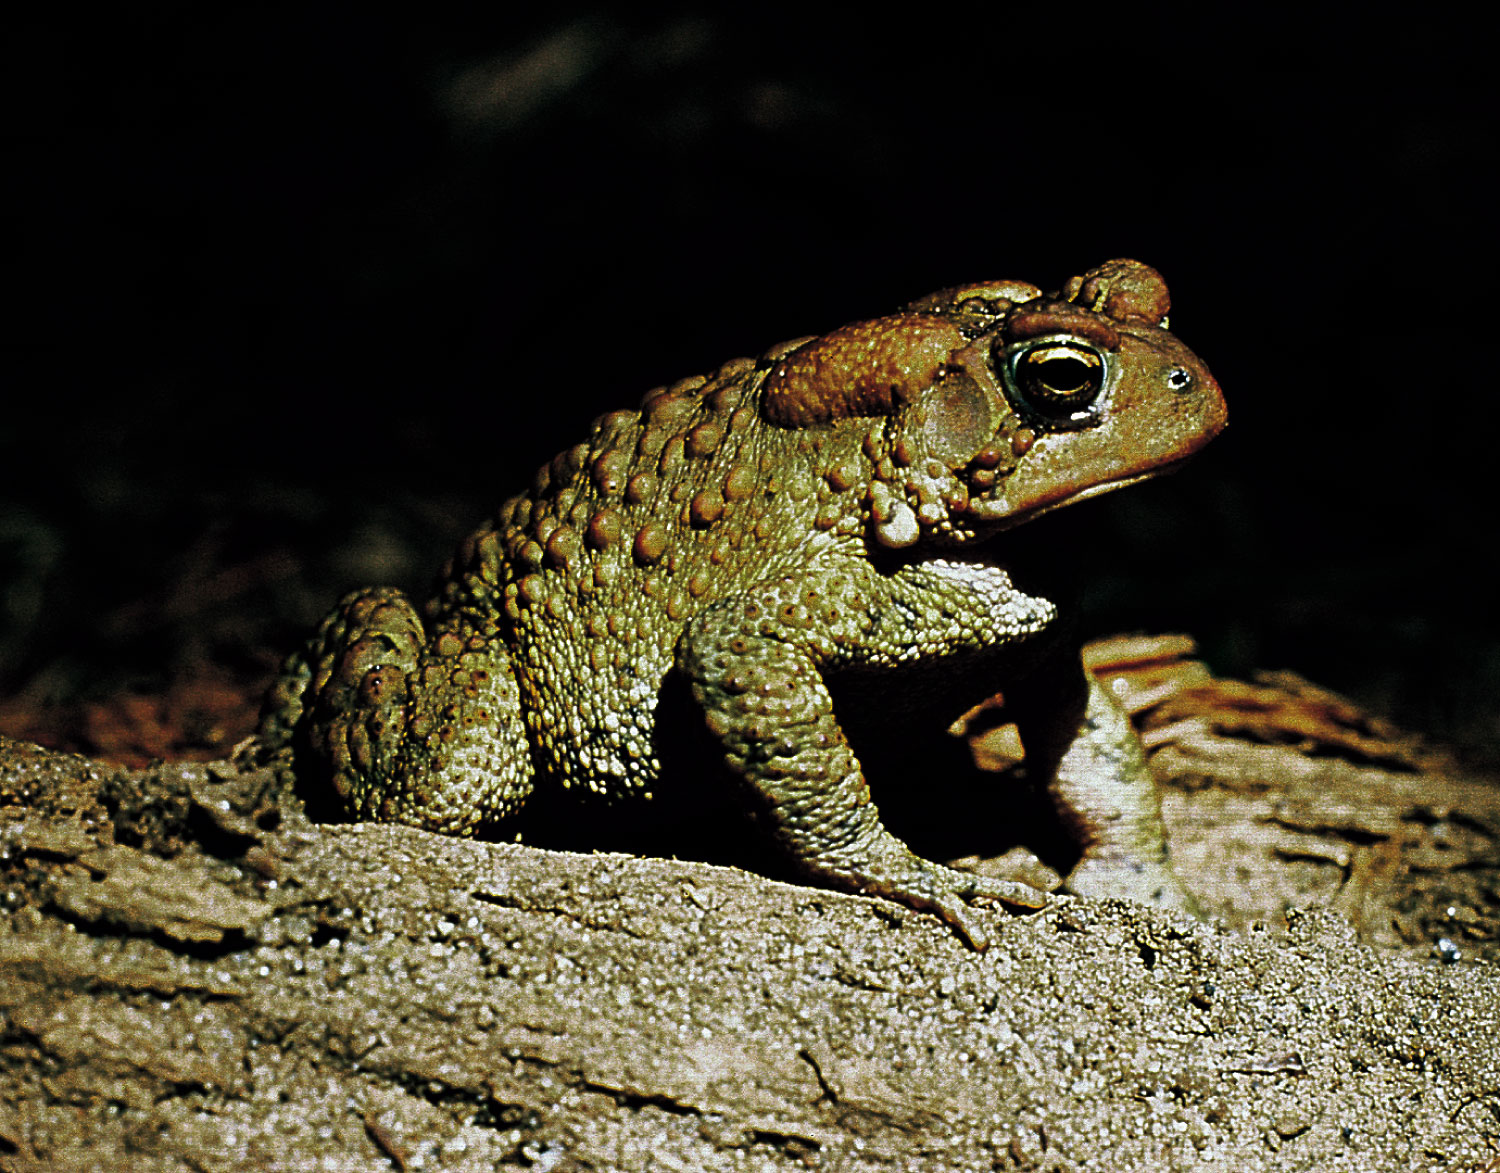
999	513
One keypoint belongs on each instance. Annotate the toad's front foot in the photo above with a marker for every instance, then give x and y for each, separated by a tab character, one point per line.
1128	877
897	874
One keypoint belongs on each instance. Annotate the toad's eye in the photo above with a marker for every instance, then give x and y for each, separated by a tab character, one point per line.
1061	382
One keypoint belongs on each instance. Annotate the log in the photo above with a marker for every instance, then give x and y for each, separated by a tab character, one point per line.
194	976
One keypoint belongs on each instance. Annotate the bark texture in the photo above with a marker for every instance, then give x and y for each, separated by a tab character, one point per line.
193	976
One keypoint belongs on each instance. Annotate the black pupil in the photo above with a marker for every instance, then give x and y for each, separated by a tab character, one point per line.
1065	375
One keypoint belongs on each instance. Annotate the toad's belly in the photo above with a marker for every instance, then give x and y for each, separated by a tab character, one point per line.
591	718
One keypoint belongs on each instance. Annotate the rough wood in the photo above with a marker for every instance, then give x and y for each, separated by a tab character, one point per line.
194	977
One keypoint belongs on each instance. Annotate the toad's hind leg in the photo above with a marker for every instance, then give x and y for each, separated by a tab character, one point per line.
766	702
409	727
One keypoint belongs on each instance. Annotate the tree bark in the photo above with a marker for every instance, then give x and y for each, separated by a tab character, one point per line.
193	976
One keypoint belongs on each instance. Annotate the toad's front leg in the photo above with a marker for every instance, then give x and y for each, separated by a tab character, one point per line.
1081	746
755	663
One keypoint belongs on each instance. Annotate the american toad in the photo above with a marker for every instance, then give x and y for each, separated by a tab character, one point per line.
760	530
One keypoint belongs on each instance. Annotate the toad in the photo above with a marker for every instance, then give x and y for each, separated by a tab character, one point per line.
820	510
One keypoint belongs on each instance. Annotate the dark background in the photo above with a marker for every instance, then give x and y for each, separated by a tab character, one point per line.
303	295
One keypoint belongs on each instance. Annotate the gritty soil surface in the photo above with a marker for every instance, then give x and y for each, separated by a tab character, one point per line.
194	976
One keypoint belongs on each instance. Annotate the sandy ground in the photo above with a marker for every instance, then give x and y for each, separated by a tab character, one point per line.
197	977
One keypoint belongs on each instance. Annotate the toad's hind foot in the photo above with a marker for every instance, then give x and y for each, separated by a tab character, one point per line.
409	725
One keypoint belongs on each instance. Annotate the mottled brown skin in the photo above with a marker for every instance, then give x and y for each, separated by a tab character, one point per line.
759	530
